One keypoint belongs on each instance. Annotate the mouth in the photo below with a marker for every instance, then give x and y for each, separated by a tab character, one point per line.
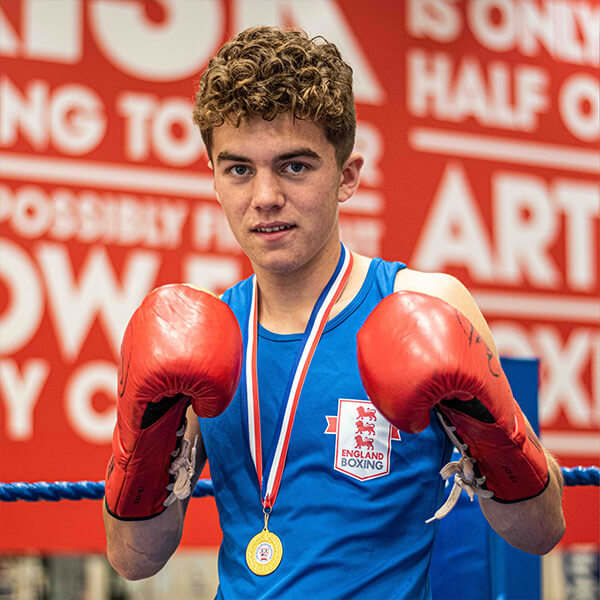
272	227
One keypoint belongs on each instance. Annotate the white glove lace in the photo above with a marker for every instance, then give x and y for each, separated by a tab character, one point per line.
183	467
464	476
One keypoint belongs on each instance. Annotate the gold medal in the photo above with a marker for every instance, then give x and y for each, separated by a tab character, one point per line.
264	552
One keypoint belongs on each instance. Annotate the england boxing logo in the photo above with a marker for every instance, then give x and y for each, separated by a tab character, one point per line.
363	439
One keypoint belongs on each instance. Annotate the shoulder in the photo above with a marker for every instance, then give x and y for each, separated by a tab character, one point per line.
440	285
237	291
447	288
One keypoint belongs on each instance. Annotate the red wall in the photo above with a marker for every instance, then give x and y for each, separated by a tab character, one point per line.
480	127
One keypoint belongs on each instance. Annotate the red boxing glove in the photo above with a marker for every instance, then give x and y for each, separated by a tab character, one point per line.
415	353
182	346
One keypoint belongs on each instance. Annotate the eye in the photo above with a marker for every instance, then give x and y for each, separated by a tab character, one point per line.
295	168
239	170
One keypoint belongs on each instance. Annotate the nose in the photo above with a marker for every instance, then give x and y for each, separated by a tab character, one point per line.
266	191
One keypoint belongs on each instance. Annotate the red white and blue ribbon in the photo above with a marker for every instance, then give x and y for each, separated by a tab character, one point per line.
274	467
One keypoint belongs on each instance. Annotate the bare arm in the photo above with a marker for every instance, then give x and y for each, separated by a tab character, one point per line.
534	525
139	549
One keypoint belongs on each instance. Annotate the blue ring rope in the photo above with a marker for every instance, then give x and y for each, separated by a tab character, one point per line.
94	490
581	475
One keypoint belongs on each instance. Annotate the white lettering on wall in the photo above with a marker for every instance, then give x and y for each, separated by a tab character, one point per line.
20	319
497	95
173	49
512	340
454	232
563	365
495	34
70	118
437	20
20	389
160	127
580	202
562	388
210	230
531	218
31	213
568	31
369	143
579	106
74	304
94	377
51	31
24	112
9	41
89	217
168	48
362	235
77	121
527	226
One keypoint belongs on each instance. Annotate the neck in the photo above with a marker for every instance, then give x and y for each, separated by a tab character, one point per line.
286	300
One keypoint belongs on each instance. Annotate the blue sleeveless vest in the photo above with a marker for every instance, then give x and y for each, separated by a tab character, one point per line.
355	493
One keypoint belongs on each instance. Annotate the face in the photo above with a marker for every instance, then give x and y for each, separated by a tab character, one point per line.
280	185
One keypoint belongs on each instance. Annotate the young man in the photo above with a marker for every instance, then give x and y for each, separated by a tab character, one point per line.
276	112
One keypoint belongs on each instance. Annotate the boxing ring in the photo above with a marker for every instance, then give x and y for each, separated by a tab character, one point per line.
53	491
470	561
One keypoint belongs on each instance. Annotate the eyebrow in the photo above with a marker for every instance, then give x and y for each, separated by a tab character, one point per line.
307	152
300	152
233	157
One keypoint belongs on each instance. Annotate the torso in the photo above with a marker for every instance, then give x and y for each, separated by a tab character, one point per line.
348	530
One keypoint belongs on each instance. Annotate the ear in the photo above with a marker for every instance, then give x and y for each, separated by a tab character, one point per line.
215	190
350	177
210	165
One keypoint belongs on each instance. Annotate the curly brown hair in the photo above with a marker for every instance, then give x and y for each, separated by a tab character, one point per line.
268	71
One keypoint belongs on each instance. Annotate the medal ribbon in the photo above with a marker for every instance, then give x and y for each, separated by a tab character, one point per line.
270	486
